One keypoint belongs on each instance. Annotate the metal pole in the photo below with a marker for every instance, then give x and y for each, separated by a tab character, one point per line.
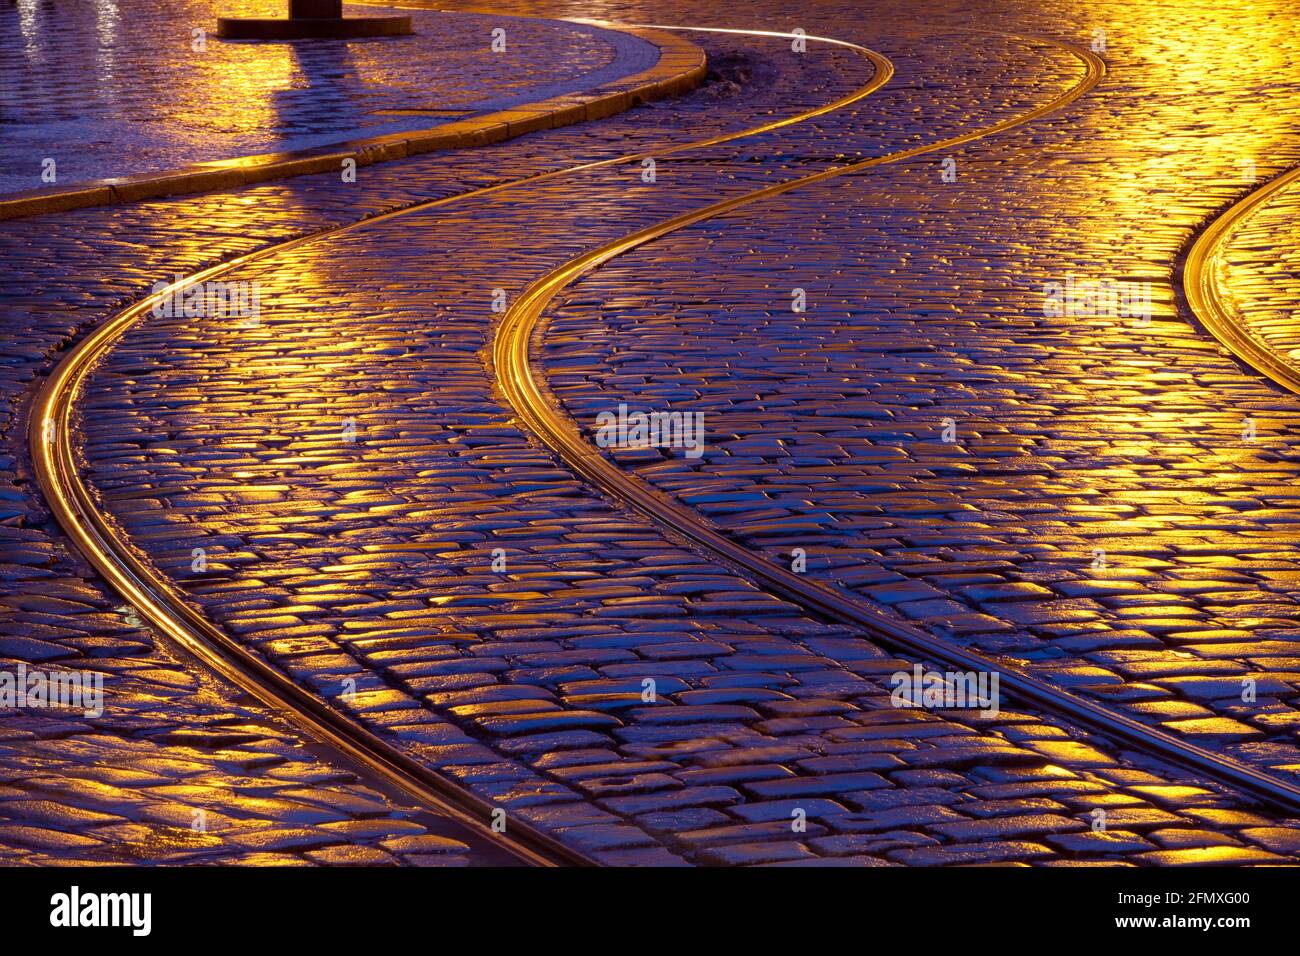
312	19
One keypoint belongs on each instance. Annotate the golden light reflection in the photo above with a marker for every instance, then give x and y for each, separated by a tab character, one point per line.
106	53
307	365
239	88
1138	193
27	10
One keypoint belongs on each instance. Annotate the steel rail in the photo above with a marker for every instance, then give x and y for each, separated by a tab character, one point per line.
542	413
158	601
1201	286
145	590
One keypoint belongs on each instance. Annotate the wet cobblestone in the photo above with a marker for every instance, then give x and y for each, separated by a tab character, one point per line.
527	683
1260	277
1099	510
154	102
371	561
96	260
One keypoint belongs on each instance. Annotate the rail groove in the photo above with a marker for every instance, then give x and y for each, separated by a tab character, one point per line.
1201	276
159	602
541	412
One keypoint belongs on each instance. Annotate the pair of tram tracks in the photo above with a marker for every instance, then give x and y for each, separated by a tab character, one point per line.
159	602
1205	295
166	609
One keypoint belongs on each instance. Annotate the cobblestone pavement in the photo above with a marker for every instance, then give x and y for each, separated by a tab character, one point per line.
1260	279
64	278
176	773
65	273
1099	507
372	559
153	102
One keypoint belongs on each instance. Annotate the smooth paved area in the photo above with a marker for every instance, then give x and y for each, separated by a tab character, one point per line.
114	89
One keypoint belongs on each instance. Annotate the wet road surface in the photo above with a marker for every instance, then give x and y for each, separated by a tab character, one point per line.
348	465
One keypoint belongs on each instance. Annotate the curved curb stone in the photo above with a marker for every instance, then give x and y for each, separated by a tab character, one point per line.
680	68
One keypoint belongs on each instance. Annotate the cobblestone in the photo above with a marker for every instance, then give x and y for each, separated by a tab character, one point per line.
1097	514
227	100
37	568
331	555
1260	275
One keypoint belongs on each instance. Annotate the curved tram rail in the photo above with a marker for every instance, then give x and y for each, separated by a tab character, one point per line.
166	610
148	591
541	412
1201	277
